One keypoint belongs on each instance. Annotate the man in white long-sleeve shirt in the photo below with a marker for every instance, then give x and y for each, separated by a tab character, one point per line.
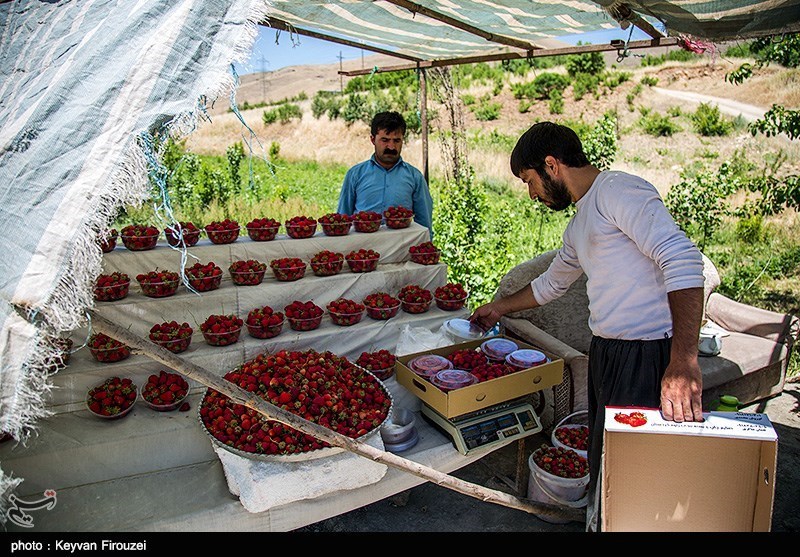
644	284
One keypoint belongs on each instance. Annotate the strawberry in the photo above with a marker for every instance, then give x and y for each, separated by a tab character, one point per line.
263	229
288	268
362	260
303	316
425	253
381	305
326	263
247	272
158	284
183	234
398	217
221	330
223	232
140	237
184	407
113	398
264	322
301	227
564	463
111	287
415	299
172	335
467	359
336	224
367	221
575	437
345	312
108	240
380	363
450	297
165	391
107	349
204	277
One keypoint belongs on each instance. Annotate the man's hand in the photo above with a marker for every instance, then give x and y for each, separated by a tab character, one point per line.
487	315
682	392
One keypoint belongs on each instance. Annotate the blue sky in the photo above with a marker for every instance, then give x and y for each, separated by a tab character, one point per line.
269	56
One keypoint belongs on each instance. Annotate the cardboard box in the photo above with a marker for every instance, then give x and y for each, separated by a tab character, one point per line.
711	476
480	395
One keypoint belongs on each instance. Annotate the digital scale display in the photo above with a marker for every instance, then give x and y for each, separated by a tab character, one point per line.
485	428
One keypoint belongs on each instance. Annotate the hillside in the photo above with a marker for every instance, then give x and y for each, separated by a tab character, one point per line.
659	159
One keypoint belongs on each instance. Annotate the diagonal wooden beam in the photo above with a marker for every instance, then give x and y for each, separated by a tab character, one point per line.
284	26
500	39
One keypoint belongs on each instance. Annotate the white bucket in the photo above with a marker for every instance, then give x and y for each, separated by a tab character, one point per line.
554	490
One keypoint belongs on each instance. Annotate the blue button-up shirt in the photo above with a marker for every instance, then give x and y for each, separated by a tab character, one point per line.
368	186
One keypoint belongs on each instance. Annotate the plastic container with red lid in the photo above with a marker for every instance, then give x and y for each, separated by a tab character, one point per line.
498	348
526	358
429	365
452	379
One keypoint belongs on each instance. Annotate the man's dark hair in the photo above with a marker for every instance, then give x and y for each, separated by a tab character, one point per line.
547	138
389	121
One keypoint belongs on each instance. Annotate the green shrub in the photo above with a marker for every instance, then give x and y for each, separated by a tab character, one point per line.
487	111
674	111
750	228
274	150
649	81
556	103
269	116
612	80
600	142
541	86
658	125
708	121
468	99
584	83
524	106
591	63
739	50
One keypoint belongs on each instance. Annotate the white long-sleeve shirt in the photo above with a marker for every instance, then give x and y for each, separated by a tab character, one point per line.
633	254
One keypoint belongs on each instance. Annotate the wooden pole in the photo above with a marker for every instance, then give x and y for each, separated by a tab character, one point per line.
423	90
240	396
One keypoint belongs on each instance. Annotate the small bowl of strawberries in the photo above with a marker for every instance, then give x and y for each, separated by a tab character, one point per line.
139	237
221	330
106	349
381	305
182	234
111	287
108	240
247	272
415	299
380	363
224	231
450	297
327	263
263	229
304	316
425	253
300	227
362	260
158	284
112	399
204	277
287	269
165	392
336	224
398	217
367	221
345	312
264	322
175	337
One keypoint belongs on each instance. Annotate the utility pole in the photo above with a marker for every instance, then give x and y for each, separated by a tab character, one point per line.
341	86
362	58
263	78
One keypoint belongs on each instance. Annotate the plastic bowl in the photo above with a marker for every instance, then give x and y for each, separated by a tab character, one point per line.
264	234
346	319
287	274
168	407
175	345
426	257
108	243
496	349
399	427
189	237
121	414
111	293
327	269
450	305
300	231
363	265
110	355
222	236
366	225
308	324
205	284
452	379
396	223
429	365
140	243
415	307
384	312
576	421
159	289
256	331
247	278
222	339
337	228
383	374
526	358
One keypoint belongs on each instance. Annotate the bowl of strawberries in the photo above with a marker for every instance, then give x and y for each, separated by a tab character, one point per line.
158	284
165	392
175	337
380	363
367	221
106	349
204	277
450	297
224	231
336	224
425	253
398	217
327	263
301	227
303	316
362	260
221	330
108	240
345	312
247	272
415	299
287	269
381	305
573	433
182	234
110	287
263	229
264	322
112	399
139	237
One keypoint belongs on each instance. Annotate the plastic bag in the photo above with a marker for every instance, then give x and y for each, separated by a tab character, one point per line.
419	339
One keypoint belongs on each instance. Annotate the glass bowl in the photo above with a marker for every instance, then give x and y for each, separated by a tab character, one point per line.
257	331
366	225
125	404
166	406
328	268
109	241
415	307
110	355
337	228
188	237
300	231
247	278
398	222
175	345
205	284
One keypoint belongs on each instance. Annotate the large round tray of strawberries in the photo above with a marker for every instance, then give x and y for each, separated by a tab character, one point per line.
320	387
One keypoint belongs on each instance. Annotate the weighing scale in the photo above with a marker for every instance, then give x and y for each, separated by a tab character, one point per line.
485	428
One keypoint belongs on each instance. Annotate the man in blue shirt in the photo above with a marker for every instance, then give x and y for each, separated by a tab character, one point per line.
385	179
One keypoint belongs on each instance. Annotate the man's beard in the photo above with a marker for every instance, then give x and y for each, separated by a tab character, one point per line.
556	193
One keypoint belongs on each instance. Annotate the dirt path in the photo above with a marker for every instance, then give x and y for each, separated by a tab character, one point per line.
728	106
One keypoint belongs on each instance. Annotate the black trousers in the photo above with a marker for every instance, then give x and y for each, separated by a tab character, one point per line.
621	373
